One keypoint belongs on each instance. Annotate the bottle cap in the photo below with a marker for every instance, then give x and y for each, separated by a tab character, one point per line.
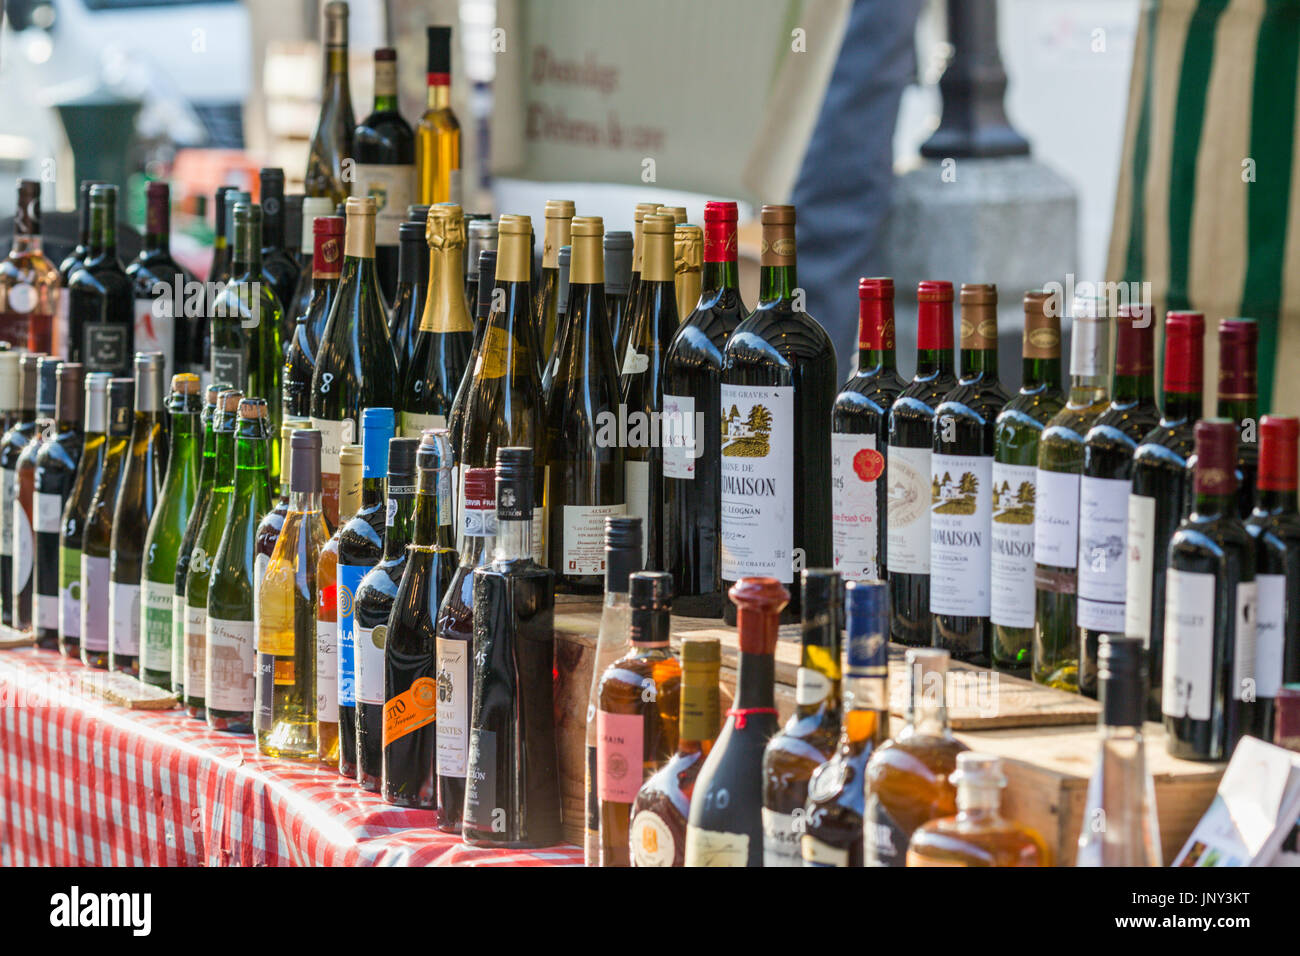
977	769
1135	340
778	244
487	273
1216	457
439	49
378	425
419	212
313	207
185	383
1042	338
867	610
97	385
618	262
401	462
1238	359
622	552
1184	352
9	390
979	316
71	384
411	233
252	409
1278	437
293	221
434	453
215	390
515	484
934	314
651	590
1121	681
149	370
565	260
480	488
720	239
350	454
875	314
701	650
121	402
27	379
759	603
47	384
1089	337
229	401
304	461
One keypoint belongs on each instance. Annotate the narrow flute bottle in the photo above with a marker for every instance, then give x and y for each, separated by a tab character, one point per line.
300	360
327	613
810	735
285	697
15	440
29	283
907	467
559	217
331	151
618	277
437	136
193	523
96	539
24	506
94	452
409	296
643	209
1238	399
160	326
101	305
57	462
279	270
487	269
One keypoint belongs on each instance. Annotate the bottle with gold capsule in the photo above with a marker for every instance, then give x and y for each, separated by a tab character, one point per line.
327	612
688	264
559	219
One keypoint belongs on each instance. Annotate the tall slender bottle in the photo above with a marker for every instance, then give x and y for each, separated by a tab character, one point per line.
565	259
559	217
642	210
327	613
29	282
487	270
271	521
1238	399
57	462
355	364
101	304
24	506
409	296
1017	433
907	467
292	243
96	550
72	529
158	281
437	136
285	699
142	474
300	357
313	208
231	629
618	278
162	543
810	735
1056	491
384	146
193	523
219	270
279	270
15	440
331	145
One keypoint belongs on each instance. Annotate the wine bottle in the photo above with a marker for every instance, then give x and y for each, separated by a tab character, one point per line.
688	262
199	572
456	420
355	364
219	270
56	470
101	309
437	136
1210	600
24	542
162	542
279	270
234	583
833	814
81	249
292	244
271	521
618	277
331	151
1056	493
810	735
587	477
8	387
565	259
142	473
725	825
482	238
409	294
1238	399
29	282
16	438
327	614
72	529
285	715
512	794
1017	432
193	523
158	282
559	219
1159	488
411	663
372	606
313	207
300	362
96	540
1106	484
961	479
642	210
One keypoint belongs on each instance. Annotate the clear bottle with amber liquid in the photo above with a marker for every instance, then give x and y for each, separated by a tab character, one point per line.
327	612
29	282
437	135
331	153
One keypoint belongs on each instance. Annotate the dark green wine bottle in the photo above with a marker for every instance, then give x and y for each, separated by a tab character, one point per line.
94	451
193	522
279	270
96	542
56	470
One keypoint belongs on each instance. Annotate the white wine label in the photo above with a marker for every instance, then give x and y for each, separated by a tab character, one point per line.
229	665
370	662
453	706
1140	571
681	448
1270	632
196	639
907	533
155	330
94	602
634	363
327	672
960	513
780	842
45	611
49	513
1189	644
1056	519
811	686
156	625
636	486
124	613
24	546
650	840
1011	559
1103	561
69	592
757	534
392	186
414	423
1243	667
8	502
815	852
716	848
334	435
584	537
856	469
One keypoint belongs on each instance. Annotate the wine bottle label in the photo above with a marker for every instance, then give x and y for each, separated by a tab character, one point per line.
584	537
716	848
884	841
636	486
229	665
370	662
1056	519
229	367
780	842
413	423
856	467
124	613
481	781
24	546
620	760
538	542
8	502
1270	632
106	347
453	706
811	686
960	526
334	435
1011	559
634	362
178	640
478	522
907	532
48	512
259	575
327	672
1243	667
412	709
650	840
264	688
196	639
757	532
155	330
1139	577
817	852
349	580
156	625
1103	564
70	592
94	602
680	443
1189	644
392	186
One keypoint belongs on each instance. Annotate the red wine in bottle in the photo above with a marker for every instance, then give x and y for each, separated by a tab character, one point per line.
101	310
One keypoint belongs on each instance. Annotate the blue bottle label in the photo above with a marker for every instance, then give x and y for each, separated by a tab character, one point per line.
349	580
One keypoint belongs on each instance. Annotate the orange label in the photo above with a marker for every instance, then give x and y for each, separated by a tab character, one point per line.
410	710
284	671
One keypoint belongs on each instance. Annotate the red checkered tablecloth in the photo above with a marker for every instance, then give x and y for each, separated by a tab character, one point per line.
85	783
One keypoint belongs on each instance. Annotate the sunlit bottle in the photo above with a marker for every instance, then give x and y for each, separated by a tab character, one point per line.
331	144
437	136
94	451
29	282
327	613
96	538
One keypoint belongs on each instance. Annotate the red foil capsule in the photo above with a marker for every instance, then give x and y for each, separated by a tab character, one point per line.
720	232
1238	347
1184	352
876	313
1216	457
934	314
1279	443
1135	340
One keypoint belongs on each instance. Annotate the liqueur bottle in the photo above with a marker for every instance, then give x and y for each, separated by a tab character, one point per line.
409	295
384	146
725	825
331	152
1056	491
279	270
24	505
234	583
313	208
437	136
809	737
907	778
285	697
18	436
72	530
778	386
96	550
327	614
688	262
907	467
512	794
29	282
355	364
832	832
860	437
1238	399
455	636
162	542
57	462
1017	434
643	209
1106	485
978	835
142	472
101	304
637	714
193	524
1159	489
559	218
1120	827
158	283
456	420
586	469
300	362
961	480
618	277
361	545
1210	610
1275	526
692	430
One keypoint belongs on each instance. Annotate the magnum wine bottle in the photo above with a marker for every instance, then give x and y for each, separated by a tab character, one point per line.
193	523
778	387
15	440
158	282
101	304
24	542
1238	399
384	146
437	137
96	548
618	277
559	217
72	526
907	467
279	270
331	145
56	470
300	362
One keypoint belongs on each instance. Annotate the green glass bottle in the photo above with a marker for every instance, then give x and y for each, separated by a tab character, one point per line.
193	522
331	152
96	541
56	471
94	451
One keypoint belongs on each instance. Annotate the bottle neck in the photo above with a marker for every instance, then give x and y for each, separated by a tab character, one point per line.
776	283
247	253
1215	505
514	540
1134	388
103	230
755	680
438	96
1182	406
1240	409
977	802
717	276
401	520
224	472
273	218
1277	501
979	363
305	502
250	465
157	234
1088	389
930	362
372	491
432	526
1038	373
927	711
699	707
